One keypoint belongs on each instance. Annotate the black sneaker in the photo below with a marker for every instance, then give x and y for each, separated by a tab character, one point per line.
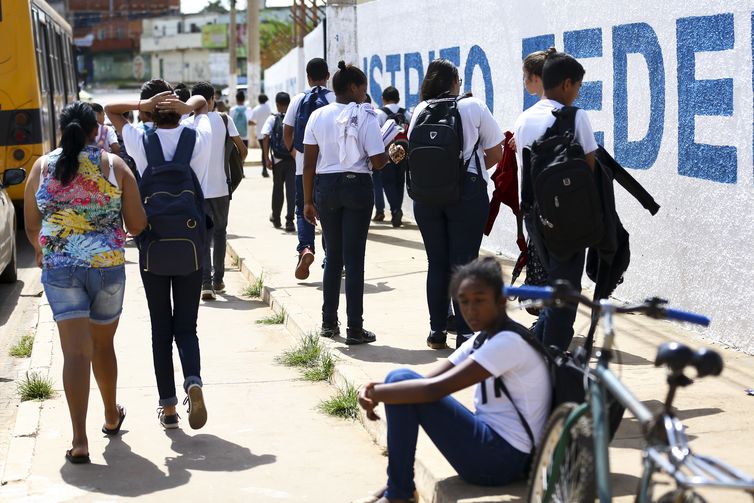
169	422
438	340
359	336
397	218
330	330
218	287
451	324
379	217
289	227
460	339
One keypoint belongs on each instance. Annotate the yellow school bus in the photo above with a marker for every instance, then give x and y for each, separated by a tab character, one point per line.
37	79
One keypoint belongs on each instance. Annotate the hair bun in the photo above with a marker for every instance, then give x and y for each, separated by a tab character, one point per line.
550	52
341	65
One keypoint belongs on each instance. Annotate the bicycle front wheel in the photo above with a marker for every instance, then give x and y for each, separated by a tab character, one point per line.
575	482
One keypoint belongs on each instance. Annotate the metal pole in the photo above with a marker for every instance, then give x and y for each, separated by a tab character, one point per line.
253	55
232	80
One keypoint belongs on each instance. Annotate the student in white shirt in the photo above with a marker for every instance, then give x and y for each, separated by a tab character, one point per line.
106	138
392	179
452	234
241	115
173	301
282	164
317	75
561	78
489	446
340	141
216	193
258	115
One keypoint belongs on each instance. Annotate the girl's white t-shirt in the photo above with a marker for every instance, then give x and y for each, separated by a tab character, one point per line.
322	130
508	357
478	124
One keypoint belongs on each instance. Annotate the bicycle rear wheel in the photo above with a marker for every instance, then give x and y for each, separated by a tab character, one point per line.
681	496
575	483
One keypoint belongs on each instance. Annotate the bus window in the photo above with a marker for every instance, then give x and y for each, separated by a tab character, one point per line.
48	132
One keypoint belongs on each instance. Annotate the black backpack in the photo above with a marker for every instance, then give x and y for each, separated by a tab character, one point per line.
174	240
436	168
233	162
277	144
559	190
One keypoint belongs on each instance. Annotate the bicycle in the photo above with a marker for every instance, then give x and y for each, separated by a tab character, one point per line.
572	462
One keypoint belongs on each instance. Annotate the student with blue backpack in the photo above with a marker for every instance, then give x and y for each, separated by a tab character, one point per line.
555	202
241	115
294	124
172	160
280	158
453	140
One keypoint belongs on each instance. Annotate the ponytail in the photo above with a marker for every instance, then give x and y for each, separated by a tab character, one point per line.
77	121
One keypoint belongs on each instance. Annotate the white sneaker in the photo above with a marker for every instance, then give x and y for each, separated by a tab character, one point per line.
208	294
197	412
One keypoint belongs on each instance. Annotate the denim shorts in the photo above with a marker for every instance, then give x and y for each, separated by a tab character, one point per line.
85	292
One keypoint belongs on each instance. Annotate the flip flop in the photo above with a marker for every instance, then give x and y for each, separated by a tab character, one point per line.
77	460
116	430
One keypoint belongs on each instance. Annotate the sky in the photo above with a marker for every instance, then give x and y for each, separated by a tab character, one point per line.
191	6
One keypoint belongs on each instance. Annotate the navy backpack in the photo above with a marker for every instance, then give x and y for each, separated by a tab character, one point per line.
174	240
312	100
277	144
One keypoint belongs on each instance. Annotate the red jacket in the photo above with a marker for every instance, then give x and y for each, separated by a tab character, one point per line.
505	179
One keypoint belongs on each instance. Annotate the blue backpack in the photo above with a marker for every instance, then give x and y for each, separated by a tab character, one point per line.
239	119
312	100
174	241
277	144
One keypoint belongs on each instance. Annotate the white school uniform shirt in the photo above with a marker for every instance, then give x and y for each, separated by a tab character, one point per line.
108	136
323	130
133	139
217	180
478	124
290	120
393	107
259	114
534	121
524	373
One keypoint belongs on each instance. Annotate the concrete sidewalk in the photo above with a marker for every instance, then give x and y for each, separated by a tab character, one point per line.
716	410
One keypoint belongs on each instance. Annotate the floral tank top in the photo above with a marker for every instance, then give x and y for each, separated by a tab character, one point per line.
81	221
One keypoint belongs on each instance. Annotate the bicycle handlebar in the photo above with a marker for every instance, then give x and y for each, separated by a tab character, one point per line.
562	293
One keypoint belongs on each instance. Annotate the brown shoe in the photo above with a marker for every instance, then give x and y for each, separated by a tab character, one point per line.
305	259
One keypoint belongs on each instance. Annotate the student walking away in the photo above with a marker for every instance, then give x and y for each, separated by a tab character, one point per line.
294	124
562	257
76	198
241	115
217	193
341	139
392	178
172	161
493	445
219	103
106	138
452	141
259	115
280	159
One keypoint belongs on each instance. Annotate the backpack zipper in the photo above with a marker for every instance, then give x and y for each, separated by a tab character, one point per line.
147	198
193	246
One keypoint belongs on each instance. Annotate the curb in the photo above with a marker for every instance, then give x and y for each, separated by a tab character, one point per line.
298	324
23	441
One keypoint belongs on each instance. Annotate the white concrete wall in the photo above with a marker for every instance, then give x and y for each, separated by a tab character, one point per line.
668	84
314	43
190	66
285	75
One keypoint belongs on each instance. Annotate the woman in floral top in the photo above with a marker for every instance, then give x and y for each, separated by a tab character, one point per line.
77	198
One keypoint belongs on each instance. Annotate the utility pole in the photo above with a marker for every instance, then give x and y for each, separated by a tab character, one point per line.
253	56
232	30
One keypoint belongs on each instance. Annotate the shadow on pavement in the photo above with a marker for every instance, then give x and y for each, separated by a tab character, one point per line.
396	241
235	303
624	484
128	474
456	486
398	356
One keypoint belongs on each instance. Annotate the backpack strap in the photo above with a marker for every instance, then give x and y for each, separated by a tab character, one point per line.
565	119
153	149
529	433
185	148
476	145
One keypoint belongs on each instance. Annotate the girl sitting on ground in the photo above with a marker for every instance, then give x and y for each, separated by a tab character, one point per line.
491	445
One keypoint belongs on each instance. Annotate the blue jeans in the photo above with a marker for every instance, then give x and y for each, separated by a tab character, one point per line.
554	326
85	292
217	208
169	321
452	236
344	203
477	453
392	181
305	229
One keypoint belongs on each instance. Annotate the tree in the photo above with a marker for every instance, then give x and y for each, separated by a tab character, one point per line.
275	40
215	6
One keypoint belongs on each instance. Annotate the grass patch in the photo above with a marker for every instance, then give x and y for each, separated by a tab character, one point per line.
314	359
344	403
35	386
273	319
255	289
22	349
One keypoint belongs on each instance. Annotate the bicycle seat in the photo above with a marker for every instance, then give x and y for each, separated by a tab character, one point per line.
707	362
674	355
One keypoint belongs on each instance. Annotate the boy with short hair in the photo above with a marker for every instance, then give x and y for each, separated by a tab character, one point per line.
317	75
562	76
259	115
106	139
280	159
392	178
241	115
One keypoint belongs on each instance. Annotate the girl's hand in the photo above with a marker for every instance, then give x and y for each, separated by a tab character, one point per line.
368	404
172	103
512	142
396	153
310	213
150	104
